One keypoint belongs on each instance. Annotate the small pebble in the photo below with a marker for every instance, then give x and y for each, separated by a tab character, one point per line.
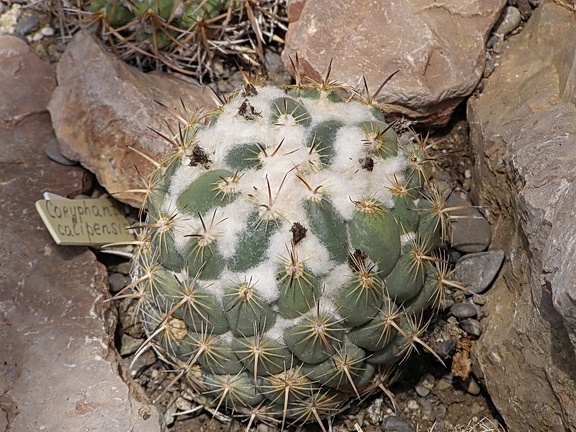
421	390
479	300
477	270
470	231
123	268
396	424
470	386
129	345
412	405
445	383
184	404
427	410
445	347
53	152
428	381
440	411
508	21
35	37
471	326
27	24
463	310
375	410
170	414
117	281
47	31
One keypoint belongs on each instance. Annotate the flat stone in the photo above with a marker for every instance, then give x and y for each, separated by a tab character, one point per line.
27	24
471	326
438	49
59	367
117	281
103	108
35	79
464	310
523	133
421	390
396	424
477	271
54	153
470	386
508	21
469	230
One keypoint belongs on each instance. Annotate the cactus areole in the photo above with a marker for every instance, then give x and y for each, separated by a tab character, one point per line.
284	262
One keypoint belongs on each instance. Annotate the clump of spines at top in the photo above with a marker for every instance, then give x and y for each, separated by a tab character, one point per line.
183	35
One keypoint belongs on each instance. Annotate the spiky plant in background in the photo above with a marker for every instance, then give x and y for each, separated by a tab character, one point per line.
183	35
288	252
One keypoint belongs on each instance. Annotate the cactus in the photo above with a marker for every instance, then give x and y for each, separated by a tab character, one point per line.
183	35
287	254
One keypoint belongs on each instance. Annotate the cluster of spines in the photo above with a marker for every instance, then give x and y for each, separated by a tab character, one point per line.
183	35
178	313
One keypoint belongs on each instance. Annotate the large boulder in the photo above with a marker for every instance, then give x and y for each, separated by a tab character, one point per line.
58	365
105	113
523	133
437	47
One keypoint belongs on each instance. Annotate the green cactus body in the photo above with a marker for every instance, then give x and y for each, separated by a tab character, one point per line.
284	267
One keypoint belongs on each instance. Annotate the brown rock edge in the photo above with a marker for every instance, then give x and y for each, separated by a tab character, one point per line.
59	369
523	129
102	109
437	48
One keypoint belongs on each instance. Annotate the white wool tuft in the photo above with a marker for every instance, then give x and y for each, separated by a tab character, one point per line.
288	174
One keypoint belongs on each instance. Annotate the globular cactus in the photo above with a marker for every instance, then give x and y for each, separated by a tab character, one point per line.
181	34
287	254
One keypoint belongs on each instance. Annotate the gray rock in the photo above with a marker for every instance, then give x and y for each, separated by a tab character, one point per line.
396	424
59	367
471	326
438	49
470	231
117	281
426	409
129	345
508	21
477	271
421	390
464	310
523	131
470	386
428	381
479	300
440	411
54	153
126	114
27	23
444	347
